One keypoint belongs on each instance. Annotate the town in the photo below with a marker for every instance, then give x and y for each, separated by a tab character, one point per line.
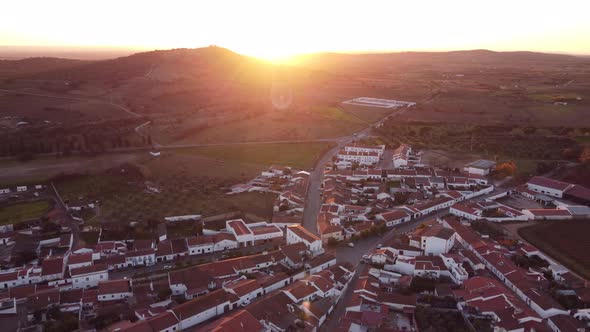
372	238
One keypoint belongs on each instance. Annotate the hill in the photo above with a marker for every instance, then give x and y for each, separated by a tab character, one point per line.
25	68
212	94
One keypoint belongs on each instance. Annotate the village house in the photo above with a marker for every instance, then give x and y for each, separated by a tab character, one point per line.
480	167
297	234
198	245
433	239
89	276
114	290
146	257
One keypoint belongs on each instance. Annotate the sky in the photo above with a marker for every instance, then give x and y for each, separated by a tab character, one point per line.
274	29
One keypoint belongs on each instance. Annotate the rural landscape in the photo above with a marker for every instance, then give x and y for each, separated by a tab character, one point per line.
210	188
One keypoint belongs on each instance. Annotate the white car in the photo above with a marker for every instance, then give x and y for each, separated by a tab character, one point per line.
379	246
350	244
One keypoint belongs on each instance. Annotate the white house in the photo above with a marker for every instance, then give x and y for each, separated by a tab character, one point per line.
480	167
378	149
362	158
245	289
200	245
202	308
401	156
79	260
89	276
145	257
5	191
224	241
114	290
21	188
394	217
433	239
297	234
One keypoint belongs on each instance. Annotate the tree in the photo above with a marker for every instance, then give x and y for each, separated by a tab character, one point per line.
506	169
164	293
332	242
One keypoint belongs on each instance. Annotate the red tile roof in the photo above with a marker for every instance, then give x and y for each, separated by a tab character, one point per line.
52	265
550	212
80	258
88	269
239	227
303	233
549	183
241	320
114	287
201	303
242	287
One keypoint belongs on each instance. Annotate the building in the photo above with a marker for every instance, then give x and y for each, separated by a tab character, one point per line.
433	238
114	290
480	167
548	186
140	257
89	276
297	234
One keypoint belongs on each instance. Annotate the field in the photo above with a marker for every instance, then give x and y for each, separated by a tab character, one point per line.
298	124
368	114
566	241
297	155
125	199
42	169
186	183
35	109
19	212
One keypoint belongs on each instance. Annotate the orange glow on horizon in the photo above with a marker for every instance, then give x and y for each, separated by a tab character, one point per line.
277	30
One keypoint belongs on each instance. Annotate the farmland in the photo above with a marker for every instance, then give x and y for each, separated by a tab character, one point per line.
297	124
297	155
566	241
19	212
172	184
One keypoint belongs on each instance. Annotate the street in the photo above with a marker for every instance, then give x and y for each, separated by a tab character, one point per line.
312	201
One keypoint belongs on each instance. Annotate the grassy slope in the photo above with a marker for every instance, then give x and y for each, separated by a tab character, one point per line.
15	213
566	241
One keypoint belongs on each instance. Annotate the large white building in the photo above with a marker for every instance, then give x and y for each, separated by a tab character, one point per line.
401	156
296	234
548	186
433	239
361	154
480	167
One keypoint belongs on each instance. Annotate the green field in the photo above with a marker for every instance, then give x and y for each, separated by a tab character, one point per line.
368	114
19	212
568	242
297	155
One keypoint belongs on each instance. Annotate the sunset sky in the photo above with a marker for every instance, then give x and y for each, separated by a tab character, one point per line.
271	29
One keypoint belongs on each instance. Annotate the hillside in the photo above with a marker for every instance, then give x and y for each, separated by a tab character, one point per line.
213	94
28	67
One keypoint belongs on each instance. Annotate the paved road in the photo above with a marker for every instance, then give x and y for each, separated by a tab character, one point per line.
313	201
71	222
354	255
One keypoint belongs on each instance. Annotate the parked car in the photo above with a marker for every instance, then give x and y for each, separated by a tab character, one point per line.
350	244
379	246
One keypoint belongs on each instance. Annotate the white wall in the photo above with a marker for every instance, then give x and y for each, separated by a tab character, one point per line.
114	297
89	280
